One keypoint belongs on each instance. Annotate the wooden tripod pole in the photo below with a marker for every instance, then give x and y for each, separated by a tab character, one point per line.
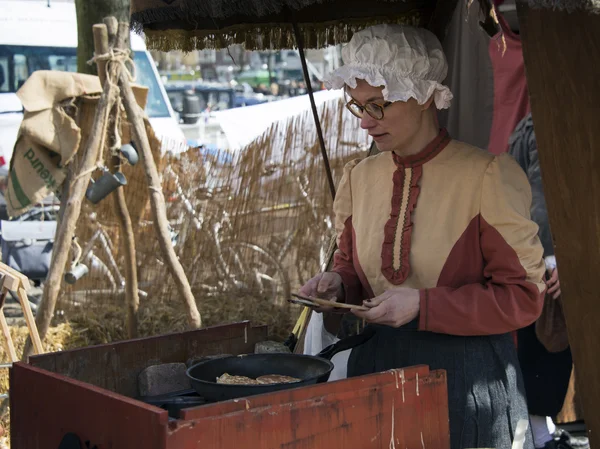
117	35
72	210
157	200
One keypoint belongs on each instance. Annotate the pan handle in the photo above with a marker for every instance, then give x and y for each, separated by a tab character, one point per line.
347	343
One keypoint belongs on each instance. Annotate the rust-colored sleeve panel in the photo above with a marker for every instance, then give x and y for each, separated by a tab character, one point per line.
492	280
504	302
505	205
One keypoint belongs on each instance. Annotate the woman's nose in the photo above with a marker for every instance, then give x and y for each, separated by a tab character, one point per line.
367	122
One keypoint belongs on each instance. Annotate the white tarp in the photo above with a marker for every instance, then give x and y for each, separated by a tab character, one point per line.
242	125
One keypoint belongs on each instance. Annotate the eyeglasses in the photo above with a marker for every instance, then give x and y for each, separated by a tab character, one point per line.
373	109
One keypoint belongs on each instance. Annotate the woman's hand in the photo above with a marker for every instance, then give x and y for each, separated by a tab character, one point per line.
326	285
553	284
393	308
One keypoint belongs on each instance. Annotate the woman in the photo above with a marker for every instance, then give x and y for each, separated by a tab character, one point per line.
434	237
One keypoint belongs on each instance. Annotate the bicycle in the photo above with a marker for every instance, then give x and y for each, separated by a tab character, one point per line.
316	237
99	244
47	212
224	265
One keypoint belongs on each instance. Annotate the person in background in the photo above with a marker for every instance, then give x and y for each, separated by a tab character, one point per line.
434	238
546	374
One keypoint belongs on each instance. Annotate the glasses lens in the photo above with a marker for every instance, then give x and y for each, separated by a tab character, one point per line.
355	109
374	110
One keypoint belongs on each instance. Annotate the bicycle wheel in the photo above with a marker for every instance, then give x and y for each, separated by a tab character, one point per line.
245	268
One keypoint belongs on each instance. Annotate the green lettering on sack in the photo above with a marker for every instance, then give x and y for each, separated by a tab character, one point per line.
41	169
20	194
37	165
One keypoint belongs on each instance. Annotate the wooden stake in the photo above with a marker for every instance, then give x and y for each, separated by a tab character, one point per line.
112	28
8	342
72	210
117	34
157	200
30	320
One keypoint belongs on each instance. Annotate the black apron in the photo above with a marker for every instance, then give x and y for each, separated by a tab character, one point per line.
546	374
486	396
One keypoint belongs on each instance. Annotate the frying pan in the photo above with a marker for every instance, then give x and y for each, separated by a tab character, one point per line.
309	369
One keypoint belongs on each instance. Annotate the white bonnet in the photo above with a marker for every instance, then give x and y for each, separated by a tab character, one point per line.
407	61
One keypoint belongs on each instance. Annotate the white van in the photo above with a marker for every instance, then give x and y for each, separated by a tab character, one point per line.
42	35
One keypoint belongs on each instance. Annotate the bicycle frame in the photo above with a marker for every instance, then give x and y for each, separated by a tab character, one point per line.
215	226
111	269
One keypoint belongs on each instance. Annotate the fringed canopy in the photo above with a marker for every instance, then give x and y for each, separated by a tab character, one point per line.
588	6
267	24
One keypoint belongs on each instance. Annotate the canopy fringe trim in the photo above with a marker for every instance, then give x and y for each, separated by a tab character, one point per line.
268	36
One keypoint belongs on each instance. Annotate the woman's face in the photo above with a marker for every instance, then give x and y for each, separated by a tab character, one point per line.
402	120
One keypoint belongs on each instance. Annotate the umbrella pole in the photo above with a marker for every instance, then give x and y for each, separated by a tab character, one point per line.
300	43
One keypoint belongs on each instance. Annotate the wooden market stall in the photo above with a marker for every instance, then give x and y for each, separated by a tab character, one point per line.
88	397
96	386
561	39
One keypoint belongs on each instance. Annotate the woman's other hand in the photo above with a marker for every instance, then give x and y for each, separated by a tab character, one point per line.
393	308
553	284
326	285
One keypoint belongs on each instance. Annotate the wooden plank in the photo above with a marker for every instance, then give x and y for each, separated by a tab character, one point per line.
10	272
9	281
384	414
30	320
45	406
116	366
7	339
562	56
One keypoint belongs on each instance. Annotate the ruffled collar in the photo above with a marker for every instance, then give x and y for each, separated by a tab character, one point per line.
426	154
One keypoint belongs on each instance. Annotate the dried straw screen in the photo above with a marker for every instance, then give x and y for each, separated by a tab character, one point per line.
267	212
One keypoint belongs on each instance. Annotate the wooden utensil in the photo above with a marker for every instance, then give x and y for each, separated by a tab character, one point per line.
315	302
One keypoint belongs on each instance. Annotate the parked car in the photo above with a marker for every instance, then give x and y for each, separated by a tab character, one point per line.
190	100
41	35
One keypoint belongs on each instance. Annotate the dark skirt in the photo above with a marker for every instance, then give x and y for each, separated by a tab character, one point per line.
546	374
486	395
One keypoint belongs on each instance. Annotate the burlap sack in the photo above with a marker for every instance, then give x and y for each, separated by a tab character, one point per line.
47	97
48	136
51	133
35	173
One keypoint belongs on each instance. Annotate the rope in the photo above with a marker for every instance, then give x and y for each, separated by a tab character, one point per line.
87	172
78	252
122	57
114	56
119	56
